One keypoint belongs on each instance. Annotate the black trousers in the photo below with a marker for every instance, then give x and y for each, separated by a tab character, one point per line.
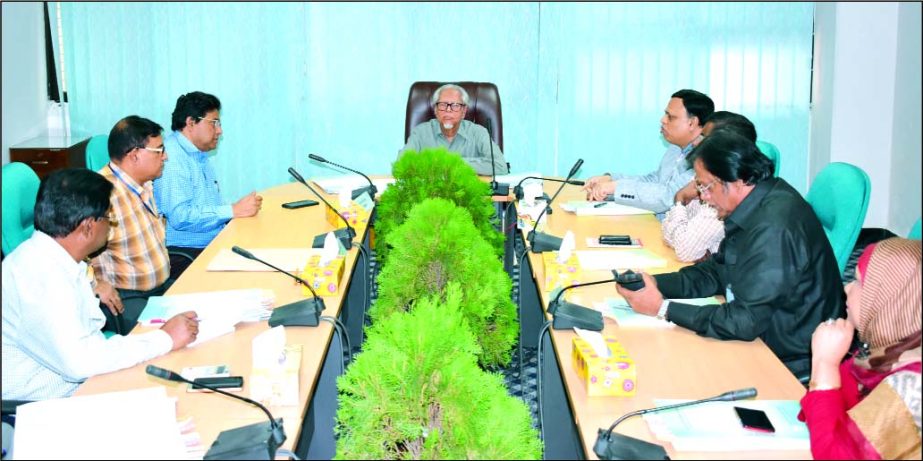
179	262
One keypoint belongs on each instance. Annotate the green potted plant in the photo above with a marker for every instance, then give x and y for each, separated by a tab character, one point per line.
439	244
435	173
416	392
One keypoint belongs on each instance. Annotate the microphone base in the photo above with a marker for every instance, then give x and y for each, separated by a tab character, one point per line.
342	234
255	441
371	189
541	242
303	313
499	188
569	315
620	446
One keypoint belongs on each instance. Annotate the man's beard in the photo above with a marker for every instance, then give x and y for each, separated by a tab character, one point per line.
448	125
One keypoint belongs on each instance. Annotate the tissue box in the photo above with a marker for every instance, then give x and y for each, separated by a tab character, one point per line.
355	214
278	386
612	376
324	280
559	275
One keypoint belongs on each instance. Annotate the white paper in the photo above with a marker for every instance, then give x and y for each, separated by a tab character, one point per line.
568	244
269	348
331	249
136	424
585	208
531	191
595	340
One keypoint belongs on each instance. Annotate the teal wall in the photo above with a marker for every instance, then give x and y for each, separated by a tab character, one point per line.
576	80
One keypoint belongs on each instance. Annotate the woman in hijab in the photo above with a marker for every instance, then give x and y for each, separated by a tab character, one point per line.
868	407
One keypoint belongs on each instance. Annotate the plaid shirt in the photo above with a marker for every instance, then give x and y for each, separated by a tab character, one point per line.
136	255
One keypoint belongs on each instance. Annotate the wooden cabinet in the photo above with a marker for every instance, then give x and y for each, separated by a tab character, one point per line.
45	154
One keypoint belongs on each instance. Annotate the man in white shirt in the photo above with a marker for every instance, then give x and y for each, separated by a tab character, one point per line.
51	319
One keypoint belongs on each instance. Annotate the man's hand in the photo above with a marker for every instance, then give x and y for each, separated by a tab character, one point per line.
182	328
248	206
109	296
687	194
592	182
601	191
645	301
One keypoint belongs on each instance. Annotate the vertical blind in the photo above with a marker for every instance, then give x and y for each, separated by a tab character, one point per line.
576	80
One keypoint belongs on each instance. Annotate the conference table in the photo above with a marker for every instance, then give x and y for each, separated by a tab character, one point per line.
671	363
308	425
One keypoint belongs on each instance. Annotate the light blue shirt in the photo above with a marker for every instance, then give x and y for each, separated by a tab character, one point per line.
655	190
187	194
472	143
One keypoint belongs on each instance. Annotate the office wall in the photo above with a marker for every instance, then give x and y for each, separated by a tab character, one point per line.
867	103
24	94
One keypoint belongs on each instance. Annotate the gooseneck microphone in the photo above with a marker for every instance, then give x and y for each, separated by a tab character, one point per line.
241	443
346	236
540	242
611	445
568	315
495	187
371	188
307	319
518	192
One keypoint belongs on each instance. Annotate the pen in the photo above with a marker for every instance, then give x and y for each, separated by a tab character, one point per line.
162	321
600	205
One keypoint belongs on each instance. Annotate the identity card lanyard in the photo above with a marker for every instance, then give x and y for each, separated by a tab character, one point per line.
146	206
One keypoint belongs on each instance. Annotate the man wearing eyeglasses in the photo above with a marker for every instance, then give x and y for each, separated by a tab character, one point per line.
450	130
775	267
680	125
188	192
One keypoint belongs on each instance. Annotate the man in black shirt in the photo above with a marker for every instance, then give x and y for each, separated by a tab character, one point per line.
775	266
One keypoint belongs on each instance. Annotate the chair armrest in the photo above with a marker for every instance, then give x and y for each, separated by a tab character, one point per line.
9	406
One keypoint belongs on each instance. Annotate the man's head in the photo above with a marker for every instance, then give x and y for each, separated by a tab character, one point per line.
197	116
725	120
74	204
727	167
685	116
136	146
450	103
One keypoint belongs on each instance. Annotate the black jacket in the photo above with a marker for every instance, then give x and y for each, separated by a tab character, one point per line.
780	267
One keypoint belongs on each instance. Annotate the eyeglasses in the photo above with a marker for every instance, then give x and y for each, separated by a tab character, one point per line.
213	121
703	189
158	150
449	106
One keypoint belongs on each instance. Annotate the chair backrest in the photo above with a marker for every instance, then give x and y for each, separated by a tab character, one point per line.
484	105
98	152
915	231
840	198
772	152
20	189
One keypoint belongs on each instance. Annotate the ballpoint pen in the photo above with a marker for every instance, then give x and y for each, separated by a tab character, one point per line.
600	205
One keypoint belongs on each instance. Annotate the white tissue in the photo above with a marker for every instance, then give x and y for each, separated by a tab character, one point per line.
330	250
269	348
346	197
568	244
531	191
595	340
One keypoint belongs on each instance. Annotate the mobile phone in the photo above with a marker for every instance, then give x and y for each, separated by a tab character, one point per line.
629	280
299	204
754	419
225	382
615	239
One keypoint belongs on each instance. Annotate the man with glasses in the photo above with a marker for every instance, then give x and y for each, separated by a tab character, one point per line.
51	320
775	267
680	125
188	191
450	130
135	261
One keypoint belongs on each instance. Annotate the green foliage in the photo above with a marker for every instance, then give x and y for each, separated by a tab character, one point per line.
435	173
438	244
417	393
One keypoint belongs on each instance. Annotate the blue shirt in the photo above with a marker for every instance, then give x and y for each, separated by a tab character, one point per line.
655	190
187	194
472	142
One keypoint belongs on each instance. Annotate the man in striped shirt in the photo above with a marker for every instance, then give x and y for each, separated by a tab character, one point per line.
135	261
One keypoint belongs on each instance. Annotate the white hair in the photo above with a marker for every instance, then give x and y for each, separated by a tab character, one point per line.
449	86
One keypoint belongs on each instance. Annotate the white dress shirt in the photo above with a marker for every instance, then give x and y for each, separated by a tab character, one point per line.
51	326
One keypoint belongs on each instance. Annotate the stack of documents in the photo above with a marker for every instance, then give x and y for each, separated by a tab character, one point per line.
218	311
714	426
333	185
584	208
137	424
618	309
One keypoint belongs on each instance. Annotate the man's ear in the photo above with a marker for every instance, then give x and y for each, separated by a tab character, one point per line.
190	121
86	227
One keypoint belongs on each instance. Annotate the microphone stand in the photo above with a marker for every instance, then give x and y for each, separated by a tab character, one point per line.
540	242
569	315
344	235
291	314
495	187
371	188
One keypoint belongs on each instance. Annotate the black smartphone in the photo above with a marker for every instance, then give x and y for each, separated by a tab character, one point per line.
299	204
629	280
615	239
225	383
754	419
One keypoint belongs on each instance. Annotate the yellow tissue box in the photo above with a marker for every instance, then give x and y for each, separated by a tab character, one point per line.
612	376
278	386
324	280
355	214
559	275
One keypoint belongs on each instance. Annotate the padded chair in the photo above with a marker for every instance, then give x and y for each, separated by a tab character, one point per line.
840	198
20	189
915	231
484	105
772	152
98	152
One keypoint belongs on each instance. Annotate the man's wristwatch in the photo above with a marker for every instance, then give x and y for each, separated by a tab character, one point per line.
662	313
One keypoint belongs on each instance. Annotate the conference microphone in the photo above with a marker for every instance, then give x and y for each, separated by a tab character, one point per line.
568	315
344	235
371	188
518	192
296	313
610	445
495	187
246	442
540	242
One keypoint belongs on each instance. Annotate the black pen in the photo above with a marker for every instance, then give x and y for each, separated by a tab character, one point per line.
600	205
